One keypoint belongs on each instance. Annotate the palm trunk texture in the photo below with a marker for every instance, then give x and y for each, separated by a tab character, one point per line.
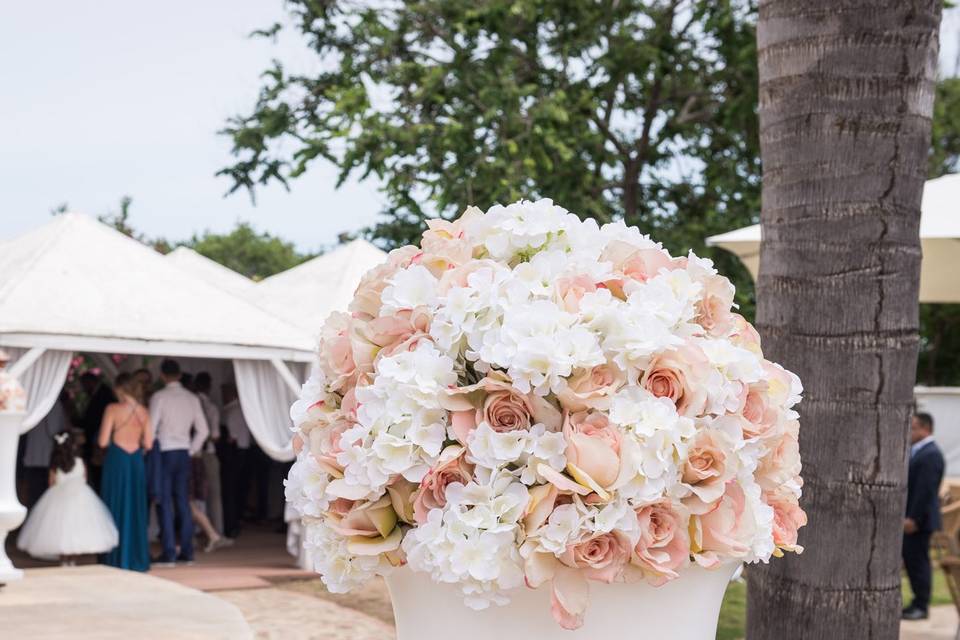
846	99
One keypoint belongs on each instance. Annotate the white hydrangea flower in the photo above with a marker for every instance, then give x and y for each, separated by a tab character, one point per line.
340	570
305	487
408	289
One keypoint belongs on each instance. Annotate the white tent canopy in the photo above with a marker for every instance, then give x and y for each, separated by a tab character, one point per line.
76	284
939	238
306	294
215	273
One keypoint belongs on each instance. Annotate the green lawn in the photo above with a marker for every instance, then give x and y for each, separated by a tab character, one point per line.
734	609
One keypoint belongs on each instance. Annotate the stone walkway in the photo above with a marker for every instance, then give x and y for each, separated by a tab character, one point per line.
110	604
942	625
281	614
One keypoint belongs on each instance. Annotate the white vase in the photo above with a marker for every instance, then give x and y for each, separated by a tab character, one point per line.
684	609
12	512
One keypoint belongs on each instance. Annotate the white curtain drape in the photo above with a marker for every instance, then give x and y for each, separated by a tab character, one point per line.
42	380
265	398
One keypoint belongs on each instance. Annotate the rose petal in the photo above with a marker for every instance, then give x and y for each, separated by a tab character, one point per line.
569	598
562	482
375	546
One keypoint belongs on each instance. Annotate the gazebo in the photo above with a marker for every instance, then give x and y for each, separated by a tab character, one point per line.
77	285
940	241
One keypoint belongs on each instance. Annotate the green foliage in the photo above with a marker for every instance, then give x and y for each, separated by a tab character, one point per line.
246	251
641	110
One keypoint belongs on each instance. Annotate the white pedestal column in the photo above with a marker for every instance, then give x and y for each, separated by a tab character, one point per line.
12	512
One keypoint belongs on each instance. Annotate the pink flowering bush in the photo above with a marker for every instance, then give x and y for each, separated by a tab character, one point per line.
527	400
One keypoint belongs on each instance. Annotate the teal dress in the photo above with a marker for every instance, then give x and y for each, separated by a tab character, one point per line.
124	490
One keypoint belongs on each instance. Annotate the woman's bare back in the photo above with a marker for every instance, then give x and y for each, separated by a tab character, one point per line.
129	423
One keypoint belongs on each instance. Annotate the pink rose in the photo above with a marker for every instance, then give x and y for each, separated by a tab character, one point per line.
601	558
452	467
664	544
399	332
494	400
591	388
713	309
633	265
677	375
593	449
744	335
781	464
788	517
445	244
336	350
726	529
707	469
459	276
759	416
364	519
571	289
325	445
366	301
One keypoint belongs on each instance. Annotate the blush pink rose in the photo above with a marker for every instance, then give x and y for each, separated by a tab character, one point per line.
601	558
781	464
365	519
366	300
459	277
433	488
664	544
707	469
571	289
713	308
677	375
445	244
633	264
759	417
788	517
726	529
744	335
591	388
399	332
593	448
494	400
325	445
336	351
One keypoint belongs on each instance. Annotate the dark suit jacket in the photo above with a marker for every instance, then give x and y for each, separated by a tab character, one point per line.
923	485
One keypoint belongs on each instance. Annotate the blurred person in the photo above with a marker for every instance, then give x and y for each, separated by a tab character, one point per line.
99	395
211	463
923	512
236	448
38	447
69	520
126	433
176	413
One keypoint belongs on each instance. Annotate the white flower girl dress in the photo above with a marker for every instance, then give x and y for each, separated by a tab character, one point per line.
68	520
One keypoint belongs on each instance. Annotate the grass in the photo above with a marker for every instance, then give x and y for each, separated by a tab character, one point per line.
733	613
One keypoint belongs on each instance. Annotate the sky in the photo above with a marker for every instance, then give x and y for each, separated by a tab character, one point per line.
117	97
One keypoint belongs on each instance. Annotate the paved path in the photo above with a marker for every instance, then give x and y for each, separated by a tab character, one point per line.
942	624
109	604
279	614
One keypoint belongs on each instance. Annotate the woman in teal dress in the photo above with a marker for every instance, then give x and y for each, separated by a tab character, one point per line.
126	432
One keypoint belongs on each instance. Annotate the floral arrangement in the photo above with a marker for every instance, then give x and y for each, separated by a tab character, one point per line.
528	399
13	399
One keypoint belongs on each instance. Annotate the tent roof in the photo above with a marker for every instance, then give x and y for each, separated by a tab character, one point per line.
306	294
213	272
939	236
77	284
938	219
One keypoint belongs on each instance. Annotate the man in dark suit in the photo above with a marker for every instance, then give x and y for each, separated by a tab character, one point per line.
923	512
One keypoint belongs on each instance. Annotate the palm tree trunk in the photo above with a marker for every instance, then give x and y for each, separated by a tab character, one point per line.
846	99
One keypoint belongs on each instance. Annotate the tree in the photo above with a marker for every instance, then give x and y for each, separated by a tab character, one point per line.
635	109
255	255
846	99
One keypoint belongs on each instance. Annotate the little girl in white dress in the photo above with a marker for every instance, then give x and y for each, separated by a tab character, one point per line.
69	520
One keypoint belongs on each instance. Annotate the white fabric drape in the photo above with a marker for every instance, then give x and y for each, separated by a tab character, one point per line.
265	399
42	380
